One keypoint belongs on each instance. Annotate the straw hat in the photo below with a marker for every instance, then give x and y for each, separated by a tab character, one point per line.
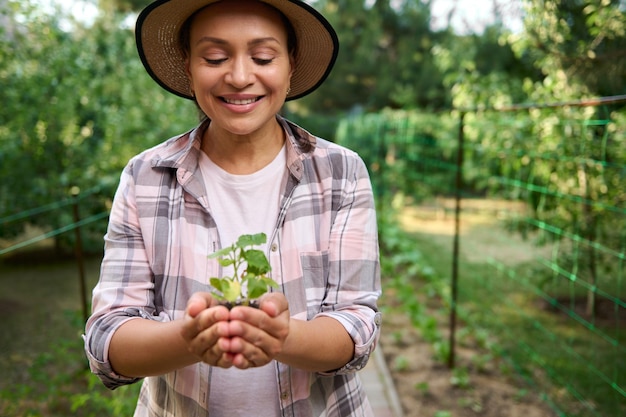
158	30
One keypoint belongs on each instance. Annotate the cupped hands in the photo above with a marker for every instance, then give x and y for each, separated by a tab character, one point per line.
243	337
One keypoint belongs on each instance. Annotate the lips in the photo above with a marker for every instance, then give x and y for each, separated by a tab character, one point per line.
240	102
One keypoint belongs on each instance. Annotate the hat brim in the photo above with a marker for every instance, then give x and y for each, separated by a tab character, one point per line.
158	30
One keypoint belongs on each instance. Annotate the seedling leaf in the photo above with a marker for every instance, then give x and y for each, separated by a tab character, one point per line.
232	290
256	288
251	240
226	261
257	262
250	284
222	252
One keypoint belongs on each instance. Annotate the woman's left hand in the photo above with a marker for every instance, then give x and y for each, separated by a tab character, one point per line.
257	335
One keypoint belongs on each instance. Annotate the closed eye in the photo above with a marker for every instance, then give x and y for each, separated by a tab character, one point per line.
262	61
215	61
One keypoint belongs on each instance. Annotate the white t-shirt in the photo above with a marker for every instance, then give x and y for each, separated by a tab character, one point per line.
244	204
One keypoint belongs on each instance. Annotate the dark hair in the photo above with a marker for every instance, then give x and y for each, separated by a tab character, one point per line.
184	41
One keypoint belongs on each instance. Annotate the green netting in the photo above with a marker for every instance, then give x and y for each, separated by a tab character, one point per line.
54	233
554	298
61	208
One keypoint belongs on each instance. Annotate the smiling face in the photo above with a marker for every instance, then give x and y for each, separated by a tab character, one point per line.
239	65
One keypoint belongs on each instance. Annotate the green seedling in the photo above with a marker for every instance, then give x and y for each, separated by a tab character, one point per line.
401	363
250	267
422	387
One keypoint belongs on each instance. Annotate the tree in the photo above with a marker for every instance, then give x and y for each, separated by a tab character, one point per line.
580	46
124	6
76	106
577	49
384	60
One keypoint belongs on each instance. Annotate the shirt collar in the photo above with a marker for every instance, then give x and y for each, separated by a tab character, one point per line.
183	151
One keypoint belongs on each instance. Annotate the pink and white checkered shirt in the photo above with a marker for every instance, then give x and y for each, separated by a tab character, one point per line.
323	252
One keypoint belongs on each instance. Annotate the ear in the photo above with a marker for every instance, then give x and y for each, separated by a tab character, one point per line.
189	77
187	70
292	65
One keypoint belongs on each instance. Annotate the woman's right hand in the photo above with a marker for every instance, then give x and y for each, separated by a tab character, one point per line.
205	330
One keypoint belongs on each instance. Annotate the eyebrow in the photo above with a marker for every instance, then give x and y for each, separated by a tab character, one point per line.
219	41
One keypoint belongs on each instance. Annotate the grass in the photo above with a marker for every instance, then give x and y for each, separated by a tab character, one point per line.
43	366
578	366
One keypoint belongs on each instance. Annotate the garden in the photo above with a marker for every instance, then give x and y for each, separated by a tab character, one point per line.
498	164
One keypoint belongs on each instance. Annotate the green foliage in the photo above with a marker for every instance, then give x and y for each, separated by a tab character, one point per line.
125	5
250	266
405	268
567	166
567	50
483	71
384	60
578	45
59	384
460	378
401	363
422	387
399	146
77	104
76	107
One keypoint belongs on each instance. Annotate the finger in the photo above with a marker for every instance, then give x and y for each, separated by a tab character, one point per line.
194	326
250	357
216	356
211	316
239	361
257	317
273	304
275	326
248	322
206	331
212	347
225	360
203	341
199	301
256	345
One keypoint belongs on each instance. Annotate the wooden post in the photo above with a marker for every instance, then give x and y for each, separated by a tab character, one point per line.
78	251
455	253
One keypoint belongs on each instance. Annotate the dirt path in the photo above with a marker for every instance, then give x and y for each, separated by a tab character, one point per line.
482	385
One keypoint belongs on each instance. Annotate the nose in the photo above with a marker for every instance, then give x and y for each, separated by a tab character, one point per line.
241	72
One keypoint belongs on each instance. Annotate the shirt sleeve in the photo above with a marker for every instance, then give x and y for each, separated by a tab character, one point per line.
354	280
125	290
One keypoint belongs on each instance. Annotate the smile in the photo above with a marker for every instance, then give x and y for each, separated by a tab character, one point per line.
241	102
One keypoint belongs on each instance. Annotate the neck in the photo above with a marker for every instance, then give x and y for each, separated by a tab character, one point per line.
242	154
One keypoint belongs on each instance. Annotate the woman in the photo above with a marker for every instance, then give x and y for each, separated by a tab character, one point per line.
243	170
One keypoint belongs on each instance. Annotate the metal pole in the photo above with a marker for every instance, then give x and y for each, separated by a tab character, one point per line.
455	253
78	250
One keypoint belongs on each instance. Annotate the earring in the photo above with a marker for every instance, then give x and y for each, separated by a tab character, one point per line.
288	91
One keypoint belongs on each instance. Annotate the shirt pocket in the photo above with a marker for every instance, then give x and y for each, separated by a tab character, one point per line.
315	270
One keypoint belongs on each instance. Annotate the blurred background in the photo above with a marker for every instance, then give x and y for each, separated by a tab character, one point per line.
494	132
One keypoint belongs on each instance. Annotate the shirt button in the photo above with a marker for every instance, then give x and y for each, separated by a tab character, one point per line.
284	395
274	247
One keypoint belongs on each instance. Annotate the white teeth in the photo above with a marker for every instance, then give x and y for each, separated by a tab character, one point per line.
240	102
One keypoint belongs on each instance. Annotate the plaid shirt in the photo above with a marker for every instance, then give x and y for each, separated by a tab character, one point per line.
323	252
